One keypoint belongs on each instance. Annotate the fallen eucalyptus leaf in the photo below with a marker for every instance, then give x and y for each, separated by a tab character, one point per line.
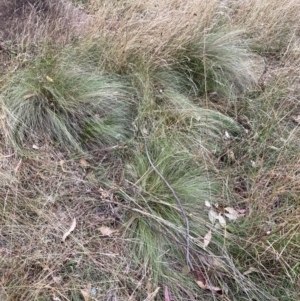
86	295
214	289
231	155
107	231
73	226
213	216
62	163
232	211
83	162
149	287
231	217
222	220
28	96
201	284
207	239
207	204
201	279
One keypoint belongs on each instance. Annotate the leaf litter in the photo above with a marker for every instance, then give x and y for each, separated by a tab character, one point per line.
71	229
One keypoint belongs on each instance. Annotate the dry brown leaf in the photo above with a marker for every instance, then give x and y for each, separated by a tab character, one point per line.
86	295
231	217
83	162
107	231
62	163
207	239
73	226
231	155
232	211
214	289
222	221
201	279
216	263
213	216
28	96
201	284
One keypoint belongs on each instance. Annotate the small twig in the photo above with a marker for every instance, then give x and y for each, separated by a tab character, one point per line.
187	233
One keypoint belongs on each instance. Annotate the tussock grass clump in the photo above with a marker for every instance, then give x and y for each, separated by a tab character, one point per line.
218	62
158	224
165	111
61	102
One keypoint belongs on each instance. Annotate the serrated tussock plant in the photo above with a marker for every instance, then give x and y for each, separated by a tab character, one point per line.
66	103
218	61
157	211
158	224
166	110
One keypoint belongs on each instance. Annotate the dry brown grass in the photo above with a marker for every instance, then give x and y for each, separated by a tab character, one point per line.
271	26
40	198
145	30
31	21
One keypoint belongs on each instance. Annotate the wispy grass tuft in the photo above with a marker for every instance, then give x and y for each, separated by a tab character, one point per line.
166	111
157	222
55	100
158	228
218	62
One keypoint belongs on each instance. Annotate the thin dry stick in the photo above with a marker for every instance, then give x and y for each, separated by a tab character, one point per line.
187	233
